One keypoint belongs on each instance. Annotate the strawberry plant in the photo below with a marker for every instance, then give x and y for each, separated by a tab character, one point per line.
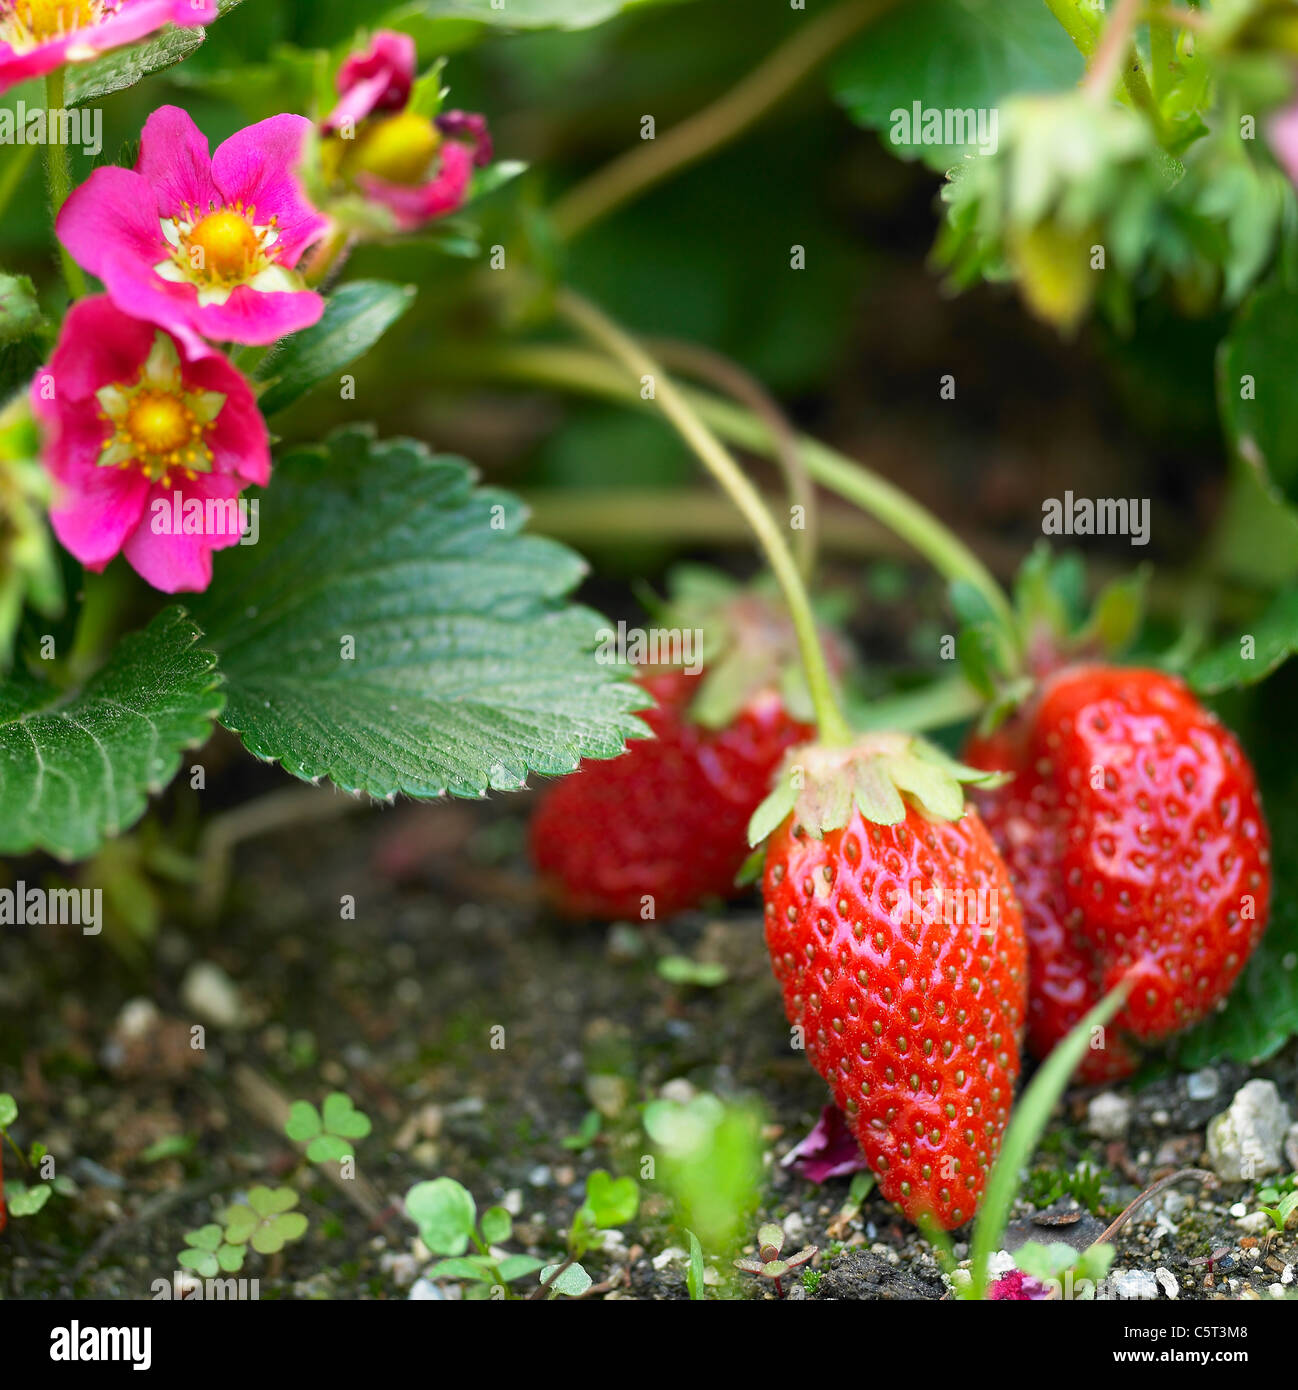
726	490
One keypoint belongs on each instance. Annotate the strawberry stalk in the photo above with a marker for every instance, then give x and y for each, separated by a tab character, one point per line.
717	459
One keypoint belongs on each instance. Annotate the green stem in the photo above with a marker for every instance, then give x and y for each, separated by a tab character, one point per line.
592	323
15	167
572	370
58	177
652	161
1079	23
1162	52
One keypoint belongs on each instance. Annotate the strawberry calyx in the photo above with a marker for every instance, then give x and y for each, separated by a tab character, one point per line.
749	647
878	775
1050	628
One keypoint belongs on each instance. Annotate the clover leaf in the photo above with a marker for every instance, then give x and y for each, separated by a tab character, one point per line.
207	1252
327	1137
265	1220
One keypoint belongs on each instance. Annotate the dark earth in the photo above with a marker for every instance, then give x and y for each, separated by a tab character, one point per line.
396	1007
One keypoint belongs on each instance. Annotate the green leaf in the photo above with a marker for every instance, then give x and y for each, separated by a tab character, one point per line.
681	970
517	1267
240	1222
951	55
357	315
271	1237
329	1148
27	1201
343	1118
1252	656
610	1201
460	1268
694	1276
8	1109
270	1201
586	1132
20	314
231	1257
205	1238
497	1225
574	1281
124	67
463	19
394	632
445	1213
1255	372
77	768
202	1262
303	1123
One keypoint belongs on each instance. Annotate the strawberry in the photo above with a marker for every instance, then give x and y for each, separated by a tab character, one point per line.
899	949
1134	833
662	827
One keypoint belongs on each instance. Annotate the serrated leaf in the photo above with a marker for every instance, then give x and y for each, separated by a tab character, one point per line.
356	316
77	768
1254	654
124	67
20	314
951	55
394	632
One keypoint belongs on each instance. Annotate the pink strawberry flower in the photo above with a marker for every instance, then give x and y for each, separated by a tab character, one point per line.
150	440
202	245
38	36
414	166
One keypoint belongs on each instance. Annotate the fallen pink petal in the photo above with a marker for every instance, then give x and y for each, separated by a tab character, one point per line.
829	1151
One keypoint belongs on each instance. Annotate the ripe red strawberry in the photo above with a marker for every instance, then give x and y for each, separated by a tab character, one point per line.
1136	840
899	948
668	820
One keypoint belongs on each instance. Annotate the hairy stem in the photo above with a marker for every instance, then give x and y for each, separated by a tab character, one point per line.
627	177
58	178
744	389
592	323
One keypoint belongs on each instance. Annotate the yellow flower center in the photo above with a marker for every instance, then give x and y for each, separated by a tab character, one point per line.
158	426
399	149
40	20
224	244
159	423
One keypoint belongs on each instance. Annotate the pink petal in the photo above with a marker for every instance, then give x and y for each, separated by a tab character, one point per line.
174	157
94	520
238	438
380	79
98	344
114	213
258	166
1282	130
829	1151
249	316
179	563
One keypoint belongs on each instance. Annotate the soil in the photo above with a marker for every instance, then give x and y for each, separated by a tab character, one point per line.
402	1007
